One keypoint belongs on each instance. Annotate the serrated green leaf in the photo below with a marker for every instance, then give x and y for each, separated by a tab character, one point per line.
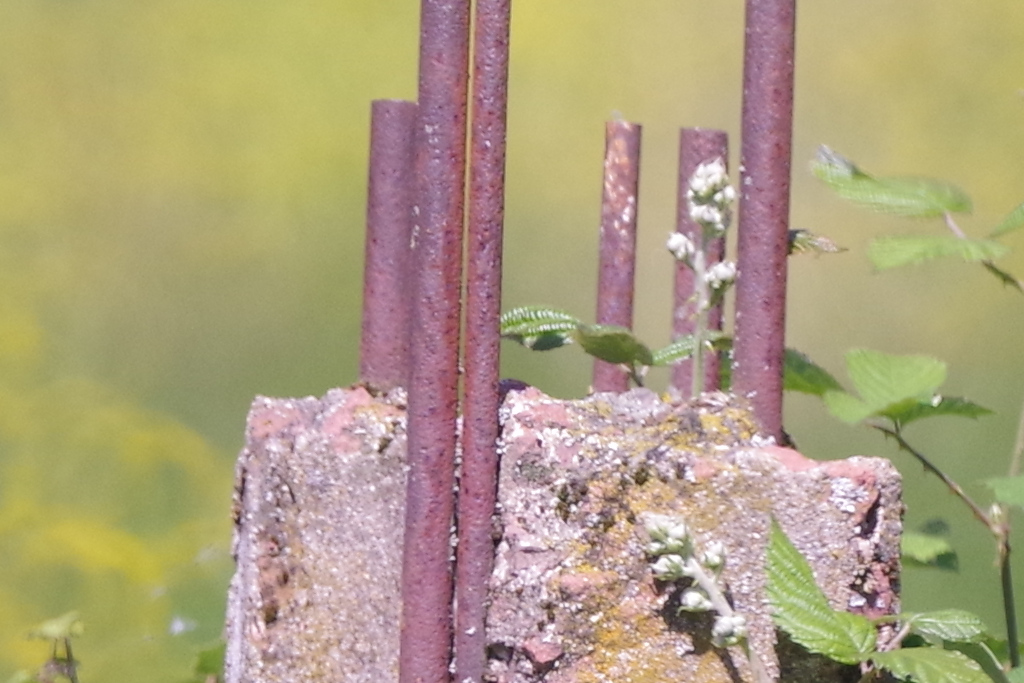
913	197
947	624
802	610
936	407
1013	221
1004	277
895	251
1009	490
931	665
682	348
885	382
803	375
532	320
924	549
538	327
613	344
986	659
68	625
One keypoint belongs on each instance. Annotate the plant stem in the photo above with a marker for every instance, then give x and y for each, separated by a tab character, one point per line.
957	490
997	524
701	322
1009	608
722	606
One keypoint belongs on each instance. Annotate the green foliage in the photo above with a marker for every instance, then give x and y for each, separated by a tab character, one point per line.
893	252
802	610
538	328
913	197
804	376
613	344
949	624
899	388
1012	222
927	550
209	664
1008	490
931	665
68	625
956	653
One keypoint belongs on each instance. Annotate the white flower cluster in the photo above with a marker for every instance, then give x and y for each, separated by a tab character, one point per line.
710	197
677	558
721	275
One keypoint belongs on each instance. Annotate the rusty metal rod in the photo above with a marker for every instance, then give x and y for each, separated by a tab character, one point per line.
478	484
426	630
764	208
384	344
618	241
696	146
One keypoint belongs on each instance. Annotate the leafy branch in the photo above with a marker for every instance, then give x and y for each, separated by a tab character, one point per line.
952	647
917	198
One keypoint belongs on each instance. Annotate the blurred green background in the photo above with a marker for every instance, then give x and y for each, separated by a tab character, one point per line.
182	192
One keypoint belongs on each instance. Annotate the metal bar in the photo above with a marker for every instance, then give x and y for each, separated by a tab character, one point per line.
478	485
618	241
696	146
384	344
426	630
764	208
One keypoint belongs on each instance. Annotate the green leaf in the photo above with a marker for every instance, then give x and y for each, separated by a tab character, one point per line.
985	658
884	381
1016	675
908	411
930	665
538	327
914	197
947	624
682	348
1014	220
895	251
210	661
1009	490
800	373
927	550
803	375
613	344
67	625
802	610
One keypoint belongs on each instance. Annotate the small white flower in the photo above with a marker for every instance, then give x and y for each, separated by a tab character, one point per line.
720	275
714	555
708	178
728	630
681	247
706	214
694	600
668	567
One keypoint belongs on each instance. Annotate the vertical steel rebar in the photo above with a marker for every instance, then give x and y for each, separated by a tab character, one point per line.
384	344
764	208
426	630
696	146
478	484
618	241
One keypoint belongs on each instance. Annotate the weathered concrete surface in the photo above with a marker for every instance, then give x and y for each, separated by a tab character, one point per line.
573	597
319	512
